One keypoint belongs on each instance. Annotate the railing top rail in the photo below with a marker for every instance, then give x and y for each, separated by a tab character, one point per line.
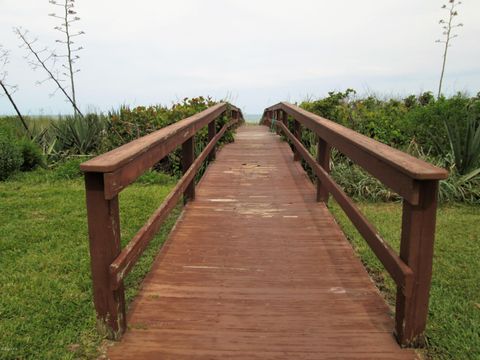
183	129
336	135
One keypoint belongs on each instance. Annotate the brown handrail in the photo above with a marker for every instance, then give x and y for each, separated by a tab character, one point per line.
394	168
107	174
415	180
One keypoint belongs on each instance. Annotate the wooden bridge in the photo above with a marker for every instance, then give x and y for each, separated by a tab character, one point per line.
256	266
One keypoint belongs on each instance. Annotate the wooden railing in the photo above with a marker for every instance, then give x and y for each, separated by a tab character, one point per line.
414	180
107	174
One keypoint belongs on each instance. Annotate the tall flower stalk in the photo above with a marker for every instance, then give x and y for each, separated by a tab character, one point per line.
448	26
68	17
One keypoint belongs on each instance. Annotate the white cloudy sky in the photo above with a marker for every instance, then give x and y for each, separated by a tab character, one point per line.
256	53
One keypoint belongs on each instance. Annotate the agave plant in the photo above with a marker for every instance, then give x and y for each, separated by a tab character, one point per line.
465	143
77	135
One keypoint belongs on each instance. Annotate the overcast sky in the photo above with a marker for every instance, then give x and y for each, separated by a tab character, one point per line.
255	53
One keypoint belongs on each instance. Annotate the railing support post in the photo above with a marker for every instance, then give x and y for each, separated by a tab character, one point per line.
284	118
188	156
276	117
323	159
416	250
212	131
297	132
104	235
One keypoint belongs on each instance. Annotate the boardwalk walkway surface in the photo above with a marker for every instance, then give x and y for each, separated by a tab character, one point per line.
257	269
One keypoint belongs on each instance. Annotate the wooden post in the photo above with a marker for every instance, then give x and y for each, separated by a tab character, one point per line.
188	157
281	119
212	131
270	118
416	250
297	132
323	158
104	235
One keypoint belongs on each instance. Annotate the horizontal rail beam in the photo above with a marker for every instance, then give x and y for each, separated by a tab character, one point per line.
122	265
157	144
394	168
397	269
411	166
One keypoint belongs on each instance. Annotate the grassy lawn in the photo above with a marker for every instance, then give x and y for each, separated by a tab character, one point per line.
46	309
453	330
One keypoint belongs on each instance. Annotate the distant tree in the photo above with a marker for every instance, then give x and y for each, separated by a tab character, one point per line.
448	27
9	90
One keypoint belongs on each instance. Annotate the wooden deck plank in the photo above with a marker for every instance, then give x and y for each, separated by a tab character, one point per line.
257	269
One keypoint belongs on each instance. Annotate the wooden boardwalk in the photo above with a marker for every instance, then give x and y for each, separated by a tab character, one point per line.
257	269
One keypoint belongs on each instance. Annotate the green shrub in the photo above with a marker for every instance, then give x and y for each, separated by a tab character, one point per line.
445	131
127	124
397	122
10	157
31	155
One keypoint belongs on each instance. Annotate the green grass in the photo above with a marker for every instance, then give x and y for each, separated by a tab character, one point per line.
453	330
46	309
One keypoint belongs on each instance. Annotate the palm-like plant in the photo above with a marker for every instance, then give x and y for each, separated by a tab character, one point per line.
465	143
77	135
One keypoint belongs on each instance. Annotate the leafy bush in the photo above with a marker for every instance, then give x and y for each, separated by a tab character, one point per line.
59	139
127	124
444	131
10	157
31	155
397	122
